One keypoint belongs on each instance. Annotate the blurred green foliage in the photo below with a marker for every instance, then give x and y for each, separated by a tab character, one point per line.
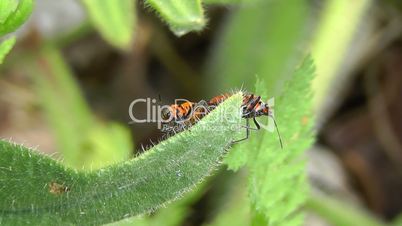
82	140
398	221
328	54
337	213
261	48
5	47
235	210
7	7
12	15
115	20
182	16
223	1
263	39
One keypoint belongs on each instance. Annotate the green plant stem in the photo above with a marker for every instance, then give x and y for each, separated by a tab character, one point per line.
338	213
174	63
66	38
334	36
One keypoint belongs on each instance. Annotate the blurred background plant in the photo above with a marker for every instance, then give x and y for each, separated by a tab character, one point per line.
77	65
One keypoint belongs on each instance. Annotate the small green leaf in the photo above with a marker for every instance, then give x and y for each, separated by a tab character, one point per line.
6	8
5	47
37	190
182	16
16	18
115	20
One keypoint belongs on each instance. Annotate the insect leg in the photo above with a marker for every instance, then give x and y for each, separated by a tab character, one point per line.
256	124
247	132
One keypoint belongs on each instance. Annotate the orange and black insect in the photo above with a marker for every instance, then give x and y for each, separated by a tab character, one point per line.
177	117
252	107
188	113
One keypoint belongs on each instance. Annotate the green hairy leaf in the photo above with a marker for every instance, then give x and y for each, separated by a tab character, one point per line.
182	16
35	189
12	16
172	215
5	47
115	20
277	183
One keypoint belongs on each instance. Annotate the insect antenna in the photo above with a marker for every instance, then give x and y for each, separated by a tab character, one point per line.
277	131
